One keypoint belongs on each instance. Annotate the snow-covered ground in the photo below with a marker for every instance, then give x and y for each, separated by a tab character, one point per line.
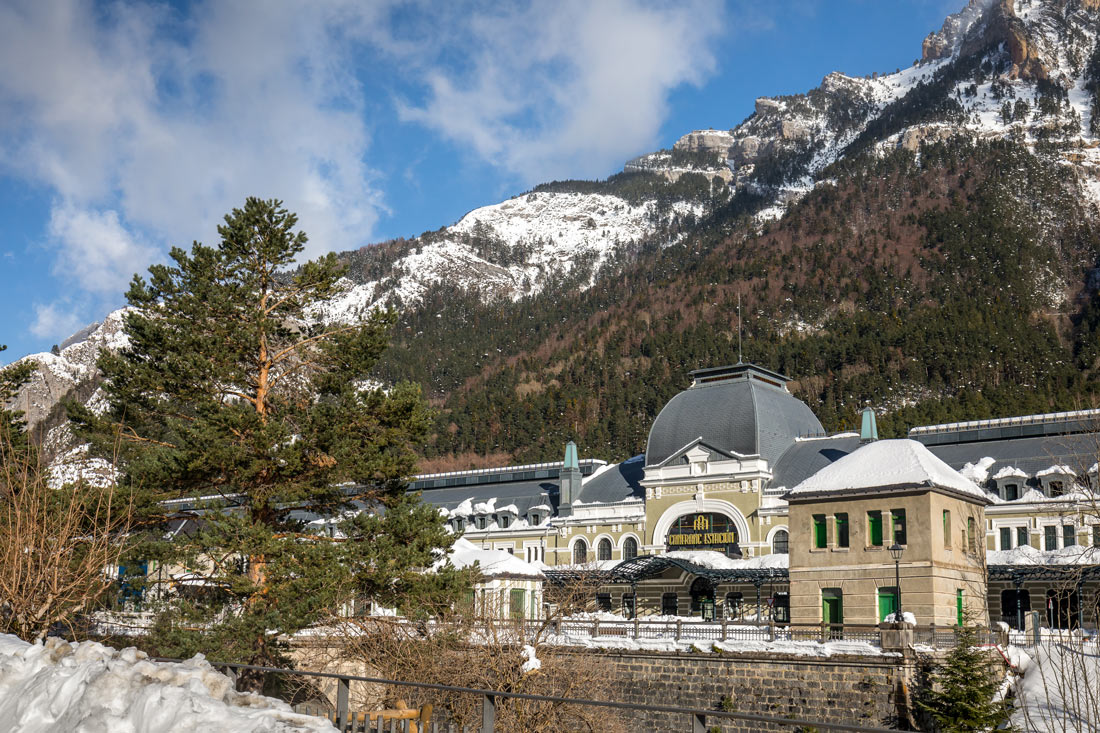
90	688
1059	691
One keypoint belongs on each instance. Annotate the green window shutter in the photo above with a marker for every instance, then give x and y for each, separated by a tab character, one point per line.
959	607
947	528
1006	538
1069	535
821	538
516	603
1022	537
874	528
1050	537
899	526
842	530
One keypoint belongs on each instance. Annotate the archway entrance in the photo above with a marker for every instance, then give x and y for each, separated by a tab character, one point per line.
702	598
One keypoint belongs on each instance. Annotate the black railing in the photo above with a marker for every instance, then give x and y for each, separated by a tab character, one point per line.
695	719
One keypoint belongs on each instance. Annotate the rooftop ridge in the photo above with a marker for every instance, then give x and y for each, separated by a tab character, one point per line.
505	469
1000	422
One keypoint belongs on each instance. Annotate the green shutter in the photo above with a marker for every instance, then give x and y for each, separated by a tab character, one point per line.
821	538
959	607
874	528
516	603
899	526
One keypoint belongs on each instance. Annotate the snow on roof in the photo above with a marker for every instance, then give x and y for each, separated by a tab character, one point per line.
490	562
1061	470
718	561
978	472
485	507
887	463
1028	555
1009	472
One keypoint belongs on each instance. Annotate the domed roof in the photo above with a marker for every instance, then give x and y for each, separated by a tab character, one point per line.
740	409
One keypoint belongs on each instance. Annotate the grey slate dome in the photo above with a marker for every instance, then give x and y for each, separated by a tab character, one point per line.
741	409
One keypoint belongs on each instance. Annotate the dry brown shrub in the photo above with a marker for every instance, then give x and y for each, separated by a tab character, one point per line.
57	546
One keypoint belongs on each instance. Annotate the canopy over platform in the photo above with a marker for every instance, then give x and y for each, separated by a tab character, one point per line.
644	567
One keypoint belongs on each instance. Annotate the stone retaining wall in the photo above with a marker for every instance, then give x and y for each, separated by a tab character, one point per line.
861	690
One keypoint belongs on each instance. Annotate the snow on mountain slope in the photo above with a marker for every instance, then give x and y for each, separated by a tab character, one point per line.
511	249
1014	69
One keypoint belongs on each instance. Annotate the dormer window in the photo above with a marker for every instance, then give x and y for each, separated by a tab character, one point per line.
481	521
503	520
1056	488
1011	492
535	518
458	524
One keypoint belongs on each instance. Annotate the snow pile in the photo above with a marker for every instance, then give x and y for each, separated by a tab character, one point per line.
978	472
1009	472
465	554
795	648
1061	470
906	617
530	661
1059	688
885	463
90	688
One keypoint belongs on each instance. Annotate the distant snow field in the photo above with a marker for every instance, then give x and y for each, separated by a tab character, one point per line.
90	688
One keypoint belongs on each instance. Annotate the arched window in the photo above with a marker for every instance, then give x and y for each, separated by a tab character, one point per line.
781	542
603	550
630	547
580	552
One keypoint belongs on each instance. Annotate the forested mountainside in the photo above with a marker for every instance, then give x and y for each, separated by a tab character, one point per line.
923	240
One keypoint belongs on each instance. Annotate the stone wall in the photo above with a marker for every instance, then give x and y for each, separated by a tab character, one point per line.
860	690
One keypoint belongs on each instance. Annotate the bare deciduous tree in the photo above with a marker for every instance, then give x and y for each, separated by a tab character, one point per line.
57	546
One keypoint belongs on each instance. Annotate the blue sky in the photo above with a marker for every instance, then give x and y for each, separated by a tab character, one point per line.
130	127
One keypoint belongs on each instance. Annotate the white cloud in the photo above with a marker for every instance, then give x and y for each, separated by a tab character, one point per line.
142	119
55	322
566	89
98	250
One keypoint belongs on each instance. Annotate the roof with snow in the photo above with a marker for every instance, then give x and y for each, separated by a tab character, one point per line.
741	409
491	563
886	465
1029	456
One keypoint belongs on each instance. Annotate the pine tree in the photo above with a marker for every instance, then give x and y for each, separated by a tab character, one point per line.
232	387
960	698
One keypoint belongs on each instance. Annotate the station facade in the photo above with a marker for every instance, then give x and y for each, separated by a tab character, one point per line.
708	520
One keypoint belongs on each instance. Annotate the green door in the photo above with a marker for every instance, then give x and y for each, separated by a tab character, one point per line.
832	606
887	602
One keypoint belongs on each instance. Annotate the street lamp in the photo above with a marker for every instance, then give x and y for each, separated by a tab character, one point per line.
895	552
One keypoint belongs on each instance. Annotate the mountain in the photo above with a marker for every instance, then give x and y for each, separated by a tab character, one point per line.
924	239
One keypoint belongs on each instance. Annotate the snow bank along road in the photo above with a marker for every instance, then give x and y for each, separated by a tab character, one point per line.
90	688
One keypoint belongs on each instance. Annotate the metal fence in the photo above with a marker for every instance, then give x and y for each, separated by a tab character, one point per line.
348	721
566	631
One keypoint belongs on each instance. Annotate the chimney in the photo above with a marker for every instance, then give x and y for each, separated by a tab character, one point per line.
570	481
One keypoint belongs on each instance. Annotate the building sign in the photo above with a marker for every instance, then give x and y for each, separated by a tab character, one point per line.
704	532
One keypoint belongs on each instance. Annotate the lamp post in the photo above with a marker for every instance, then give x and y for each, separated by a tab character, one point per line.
895	552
